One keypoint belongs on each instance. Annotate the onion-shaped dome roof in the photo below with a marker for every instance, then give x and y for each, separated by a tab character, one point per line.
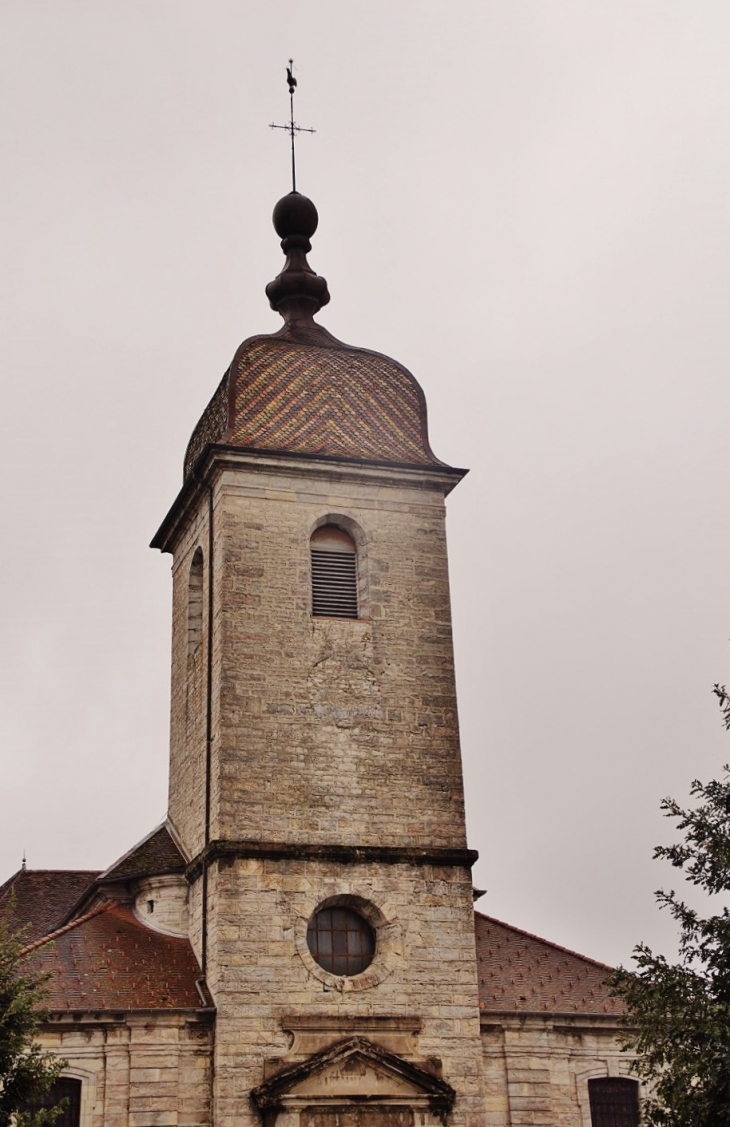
302	391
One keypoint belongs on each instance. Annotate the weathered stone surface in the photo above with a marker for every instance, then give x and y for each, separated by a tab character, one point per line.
139	1070
325	733
537	1067
318	724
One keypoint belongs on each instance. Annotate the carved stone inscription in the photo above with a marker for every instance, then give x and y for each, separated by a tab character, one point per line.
356	1117
359	1078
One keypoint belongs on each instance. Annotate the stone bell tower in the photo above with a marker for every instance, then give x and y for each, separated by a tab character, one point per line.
315	772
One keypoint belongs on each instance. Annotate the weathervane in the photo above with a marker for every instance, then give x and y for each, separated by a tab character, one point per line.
292	128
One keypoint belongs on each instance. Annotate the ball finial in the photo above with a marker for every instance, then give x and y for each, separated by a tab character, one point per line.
294	214
297	293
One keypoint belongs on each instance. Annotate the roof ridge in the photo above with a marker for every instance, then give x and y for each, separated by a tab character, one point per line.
11	880
67	927
30	872
8	884
547	942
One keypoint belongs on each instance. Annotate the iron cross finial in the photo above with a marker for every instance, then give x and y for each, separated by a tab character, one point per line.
291	127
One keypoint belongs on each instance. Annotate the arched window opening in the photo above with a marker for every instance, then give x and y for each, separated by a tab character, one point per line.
65	1088
341	941
195	602
334	573
614	1102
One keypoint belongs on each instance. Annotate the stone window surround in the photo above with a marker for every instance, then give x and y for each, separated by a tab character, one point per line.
354	927
88	1092
388	942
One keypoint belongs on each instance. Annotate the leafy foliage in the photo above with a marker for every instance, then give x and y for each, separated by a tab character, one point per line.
26	1072
678	1015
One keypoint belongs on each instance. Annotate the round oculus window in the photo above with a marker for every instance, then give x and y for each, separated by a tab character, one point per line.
341	941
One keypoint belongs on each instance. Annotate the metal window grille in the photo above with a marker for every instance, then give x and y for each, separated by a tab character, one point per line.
341	941
65	1088
334	584
614	1102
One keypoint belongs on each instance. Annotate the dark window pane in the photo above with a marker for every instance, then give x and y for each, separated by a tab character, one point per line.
614	1102
66	1087
341	941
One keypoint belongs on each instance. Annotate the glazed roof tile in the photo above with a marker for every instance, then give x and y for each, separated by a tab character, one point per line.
521	972
304	392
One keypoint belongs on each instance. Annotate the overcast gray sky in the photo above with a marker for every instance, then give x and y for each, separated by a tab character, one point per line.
526	203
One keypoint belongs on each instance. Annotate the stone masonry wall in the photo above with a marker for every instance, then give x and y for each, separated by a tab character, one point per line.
260	972
318	723
537	1068
141	1070
188	694
325	732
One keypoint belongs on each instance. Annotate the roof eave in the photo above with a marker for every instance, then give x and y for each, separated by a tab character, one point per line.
216	455
75	1014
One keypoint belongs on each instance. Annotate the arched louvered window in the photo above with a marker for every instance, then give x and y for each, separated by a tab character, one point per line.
334	573
614	1102
195	602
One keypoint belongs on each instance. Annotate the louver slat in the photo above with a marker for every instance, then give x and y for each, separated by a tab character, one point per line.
334	584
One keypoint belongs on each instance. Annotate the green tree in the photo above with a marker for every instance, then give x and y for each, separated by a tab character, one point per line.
678	1014
26	1072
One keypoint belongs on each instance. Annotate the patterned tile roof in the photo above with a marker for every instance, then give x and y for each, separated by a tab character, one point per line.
521	972
108	960
304	392
155	855
41	898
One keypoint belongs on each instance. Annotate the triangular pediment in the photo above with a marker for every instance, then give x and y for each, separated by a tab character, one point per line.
355	1069
357	1075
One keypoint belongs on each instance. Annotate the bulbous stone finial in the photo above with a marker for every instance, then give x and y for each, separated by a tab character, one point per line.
297	293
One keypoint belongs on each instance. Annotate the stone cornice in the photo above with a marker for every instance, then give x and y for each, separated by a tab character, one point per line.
115	1018
341	854
215	458
571	1022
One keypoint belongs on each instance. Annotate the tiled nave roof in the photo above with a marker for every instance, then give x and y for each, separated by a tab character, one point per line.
97	954
38	900
522	973
107	959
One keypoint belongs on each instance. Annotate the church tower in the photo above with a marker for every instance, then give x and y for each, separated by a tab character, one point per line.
315	780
